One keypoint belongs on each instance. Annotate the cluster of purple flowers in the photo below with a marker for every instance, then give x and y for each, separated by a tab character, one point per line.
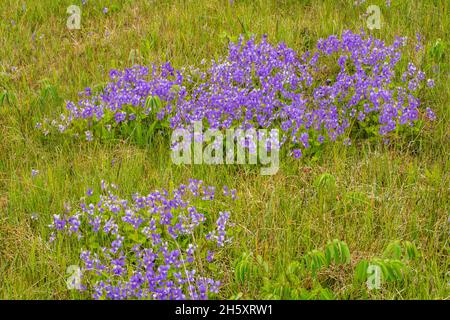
156	246
312	97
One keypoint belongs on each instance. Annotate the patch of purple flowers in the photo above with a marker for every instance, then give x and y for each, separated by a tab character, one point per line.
311	98
155	246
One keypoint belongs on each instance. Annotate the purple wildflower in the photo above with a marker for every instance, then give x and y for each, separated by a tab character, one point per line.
131	247
259	85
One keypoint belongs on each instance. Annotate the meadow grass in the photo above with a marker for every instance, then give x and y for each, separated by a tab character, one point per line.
402	189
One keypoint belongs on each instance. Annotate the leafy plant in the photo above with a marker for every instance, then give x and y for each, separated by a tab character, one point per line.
393	264
325	185
300	279
313	275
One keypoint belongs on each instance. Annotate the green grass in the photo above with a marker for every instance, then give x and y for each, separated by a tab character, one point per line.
381	193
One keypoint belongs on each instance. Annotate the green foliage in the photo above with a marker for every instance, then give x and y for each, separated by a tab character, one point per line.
337	252
312	276
393	263
292	283
438	50
325	183
401	250
326	187
245	269
3	97
7	97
